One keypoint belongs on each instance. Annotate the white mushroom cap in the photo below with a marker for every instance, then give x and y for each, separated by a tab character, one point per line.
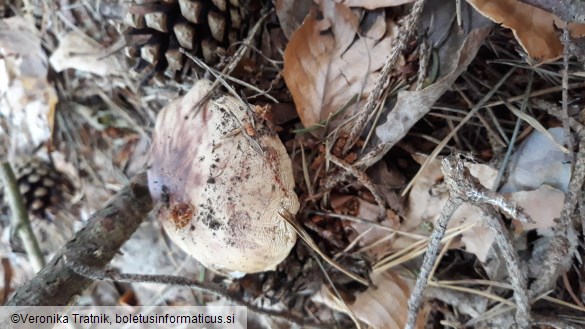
222	189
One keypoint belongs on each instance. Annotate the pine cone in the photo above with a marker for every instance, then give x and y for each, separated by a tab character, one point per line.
44	188
46	193
157	29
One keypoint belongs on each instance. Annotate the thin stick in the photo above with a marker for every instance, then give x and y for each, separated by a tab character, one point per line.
565	94
180	281
410	27
571	292
515	133
517	276
415	300
19	220
561	248
555	111
364	179
424	53
468	188
535	94
94	246
309	241
560	251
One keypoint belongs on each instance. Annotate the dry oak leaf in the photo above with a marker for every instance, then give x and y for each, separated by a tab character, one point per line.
332	59
534	28
382	306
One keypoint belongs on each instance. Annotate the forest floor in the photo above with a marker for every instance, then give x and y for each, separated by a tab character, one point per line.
438	157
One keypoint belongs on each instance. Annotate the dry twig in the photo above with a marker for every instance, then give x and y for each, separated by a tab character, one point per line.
565	94
468	188
556	259
410	28
364	179
465	188
560	247
180	281
416	297
94	246
19	217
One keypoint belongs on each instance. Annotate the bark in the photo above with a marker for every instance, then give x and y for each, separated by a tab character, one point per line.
93	246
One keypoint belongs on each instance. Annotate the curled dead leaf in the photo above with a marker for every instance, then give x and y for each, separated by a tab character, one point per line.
544	206
331	60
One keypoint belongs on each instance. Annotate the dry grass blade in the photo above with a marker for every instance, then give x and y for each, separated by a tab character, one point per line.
417	248
450	135
515	134
536	125
306	170
309	241
440	284
337	297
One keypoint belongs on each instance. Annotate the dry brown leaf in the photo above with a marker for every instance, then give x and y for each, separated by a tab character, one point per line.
78	52
533	27
329	61
544	206
382	306
426	200
374	4
455	54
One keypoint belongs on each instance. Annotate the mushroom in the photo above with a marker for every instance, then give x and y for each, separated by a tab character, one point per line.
222	180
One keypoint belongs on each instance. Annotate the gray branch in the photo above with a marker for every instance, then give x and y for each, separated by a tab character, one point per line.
94	246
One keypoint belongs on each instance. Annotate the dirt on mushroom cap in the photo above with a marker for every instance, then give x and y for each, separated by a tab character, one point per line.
222	189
